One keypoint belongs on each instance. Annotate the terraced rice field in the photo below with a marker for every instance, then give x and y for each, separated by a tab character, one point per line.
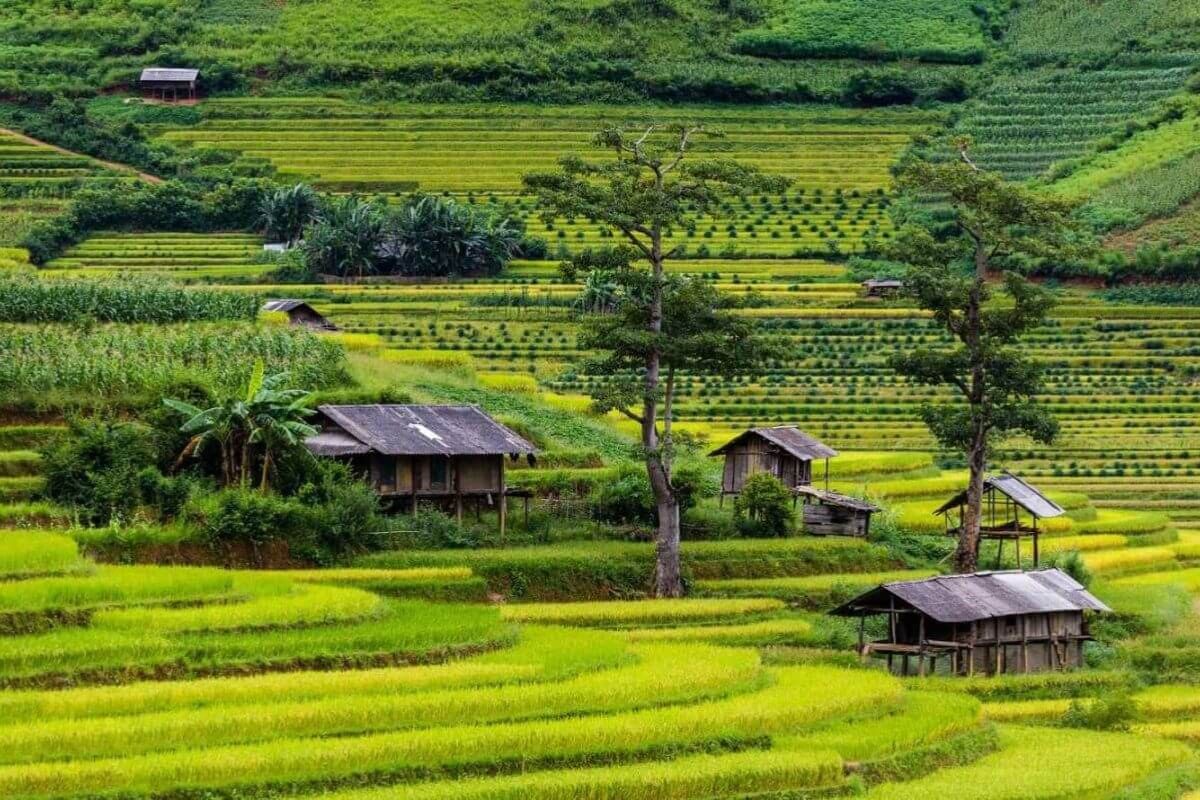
195	681
37	182
838	163
1028	122
218	256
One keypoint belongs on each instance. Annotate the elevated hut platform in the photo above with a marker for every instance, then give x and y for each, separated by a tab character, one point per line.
986	622
1005	496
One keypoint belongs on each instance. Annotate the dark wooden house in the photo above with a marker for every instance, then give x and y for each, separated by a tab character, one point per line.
785	452
168	83
300	313
1004	498
882	287
828	513
410	453
987	622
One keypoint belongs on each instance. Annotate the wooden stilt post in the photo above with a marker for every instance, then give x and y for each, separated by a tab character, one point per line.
1035	543
862	634
416	474
827	474
1024	647
458	498
503	502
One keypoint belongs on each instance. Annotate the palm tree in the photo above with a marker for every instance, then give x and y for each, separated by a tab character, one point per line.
265	414
284	214
347	240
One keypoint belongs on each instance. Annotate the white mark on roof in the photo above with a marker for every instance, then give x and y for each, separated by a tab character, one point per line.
426	432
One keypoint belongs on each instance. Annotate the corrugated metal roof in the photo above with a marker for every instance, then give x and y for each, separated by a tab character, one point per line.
283	305
982	595
835	499
1020	492
169	74
787	437
426	430
883	283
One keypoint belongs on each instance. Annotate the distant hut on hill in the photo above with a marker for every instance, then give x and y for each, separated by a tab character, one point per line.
882	287
300	313
986	622
158	82
784	451
1004	498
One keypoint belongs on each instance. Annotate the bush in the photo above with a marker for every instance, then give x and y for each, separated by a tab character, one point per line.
433	530
708	523
627	499
96	469
1109	712
764	507
879	88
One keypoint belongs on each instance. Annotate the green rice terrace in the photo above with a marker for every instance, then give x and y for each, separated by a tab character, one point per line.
457	578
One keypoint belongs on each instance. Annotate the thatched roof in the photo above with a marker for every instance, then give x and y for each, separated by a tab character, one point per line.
169	74
1017	490
788	438
978	596
834	499
399	430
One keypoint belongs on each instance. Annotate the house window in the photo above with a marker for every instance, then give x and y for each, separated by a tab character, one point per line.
438	467
386	477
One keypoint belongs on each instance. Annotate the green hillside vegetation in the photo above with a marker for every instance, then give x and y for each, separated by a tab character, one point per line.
193	607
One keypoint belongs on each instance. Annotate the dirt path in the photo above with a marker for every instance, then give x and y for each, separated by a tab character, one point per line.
112	165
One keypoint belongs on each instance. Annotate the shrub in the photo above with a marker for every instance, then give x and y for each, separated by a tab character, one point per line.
430	529
96	469
1109	712
764	507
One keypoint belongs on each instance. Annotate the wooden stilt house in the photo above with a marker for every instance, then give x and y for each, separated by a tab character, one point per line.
443	455
1004	498
984	623
168	83
784	451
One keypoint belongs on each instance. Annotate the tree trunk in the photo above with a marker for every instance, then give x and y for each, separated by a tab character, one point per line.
966	555
668	581
266	472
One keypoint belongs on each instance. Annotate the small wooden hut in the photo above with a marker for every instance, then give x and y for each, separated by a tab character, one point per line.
159	82
882	287
986	622
300	313
1004	498
411	453
828	513
784	451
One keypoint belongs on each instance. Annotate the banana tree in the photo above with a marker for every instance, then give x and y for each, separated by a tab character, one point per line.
266	414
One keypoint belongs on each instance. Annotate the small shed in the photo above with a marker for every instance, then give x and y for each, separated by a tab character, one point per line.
784	451
410	453
986	622
300	313
1005	496
882	287
828	513
158	82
